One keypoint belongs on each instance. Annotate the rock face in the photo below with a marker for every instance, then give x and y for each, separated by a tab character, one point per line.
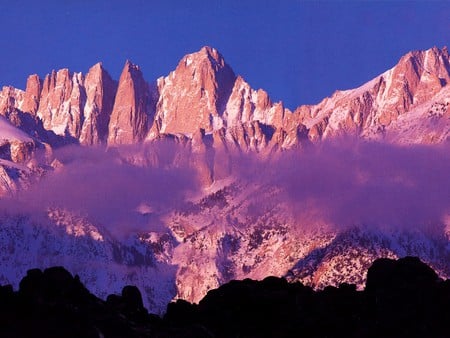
7	185
15	145
405	94
401	105
131	113
203	93
100	93
65	107
11	99
61	103
194	95
32	94
406	104
246	105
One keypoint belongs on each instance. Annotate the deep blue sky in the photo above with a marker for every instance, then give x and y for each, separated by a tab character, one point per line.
299	51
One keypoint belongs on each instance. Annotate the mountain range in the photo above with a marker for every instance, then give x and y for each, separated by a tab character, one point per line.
219	196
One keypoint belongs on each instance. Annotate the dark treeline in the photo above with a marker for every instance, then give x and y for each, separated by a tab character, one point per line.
403	298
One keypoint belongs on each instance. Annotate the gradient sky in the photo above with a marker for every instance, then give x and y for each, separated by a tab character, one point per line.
298	51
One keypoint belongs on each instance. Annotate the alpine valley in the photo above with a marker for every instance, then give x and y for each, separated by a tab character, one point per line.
182	184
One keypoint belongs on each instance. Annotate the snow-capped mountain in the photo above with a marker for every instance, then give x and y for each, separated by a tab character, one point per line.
406	104
183	183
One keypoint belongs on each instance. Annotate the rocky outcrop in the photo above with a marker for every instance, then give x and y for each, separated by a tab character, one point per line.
15	145
53	303
32	94
194	95
403	299
204	93
100	93
406	104
11	99
405	92
61	103
200	157
132	108
7	185
21	152
247	105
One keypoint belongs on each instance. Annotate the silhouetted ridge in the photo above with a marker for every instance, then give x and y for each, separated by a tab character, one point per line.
403	298
53	303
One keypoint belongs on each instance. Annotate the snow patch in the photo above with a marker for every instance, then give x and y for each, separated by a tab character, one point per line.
8	132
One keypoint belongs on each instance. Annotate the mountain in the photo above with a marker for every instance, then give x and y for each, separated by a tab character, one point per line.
186	182
100	97
129	117
406	104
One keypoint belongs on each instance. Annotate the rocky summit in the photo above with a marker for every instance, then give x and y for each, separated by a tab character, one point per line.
204	93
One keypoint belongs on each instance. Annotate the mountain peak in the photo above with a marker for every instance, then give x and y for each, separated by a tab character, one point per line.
130	66
205	54
204	93
208	49
211	52
128	122
98	66
439	51
430	59
195	93
96	71
32	93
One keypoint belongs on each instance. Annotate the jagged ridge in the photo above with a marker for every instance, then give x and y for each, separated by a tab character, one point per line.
204	93
203	97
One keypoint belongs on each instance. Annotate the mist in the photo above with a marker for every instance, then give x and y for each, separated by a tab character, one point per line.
120	189
358	183
344	182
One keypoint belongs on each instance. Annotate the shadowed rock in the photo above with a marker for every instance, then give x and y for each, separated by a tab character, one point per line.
403	298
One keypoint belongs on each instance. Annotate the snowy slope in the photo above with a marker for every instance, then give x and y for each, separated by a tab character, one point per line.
104	264
207	242
8	132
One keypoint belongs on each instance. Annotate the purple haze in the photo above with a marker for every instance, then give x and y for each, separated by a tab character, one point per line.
361	183
344	182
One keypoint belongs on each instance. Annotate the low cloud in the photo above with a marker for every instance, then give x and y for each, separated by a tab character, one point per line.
344	182
116	189
363	183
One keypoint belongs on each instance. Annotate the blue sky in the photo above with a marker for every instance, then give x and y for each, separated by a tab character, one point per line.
298	51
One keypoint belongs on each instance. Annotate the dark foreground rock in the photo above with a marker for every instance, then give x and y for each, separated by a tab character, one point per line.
403	298
53	303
